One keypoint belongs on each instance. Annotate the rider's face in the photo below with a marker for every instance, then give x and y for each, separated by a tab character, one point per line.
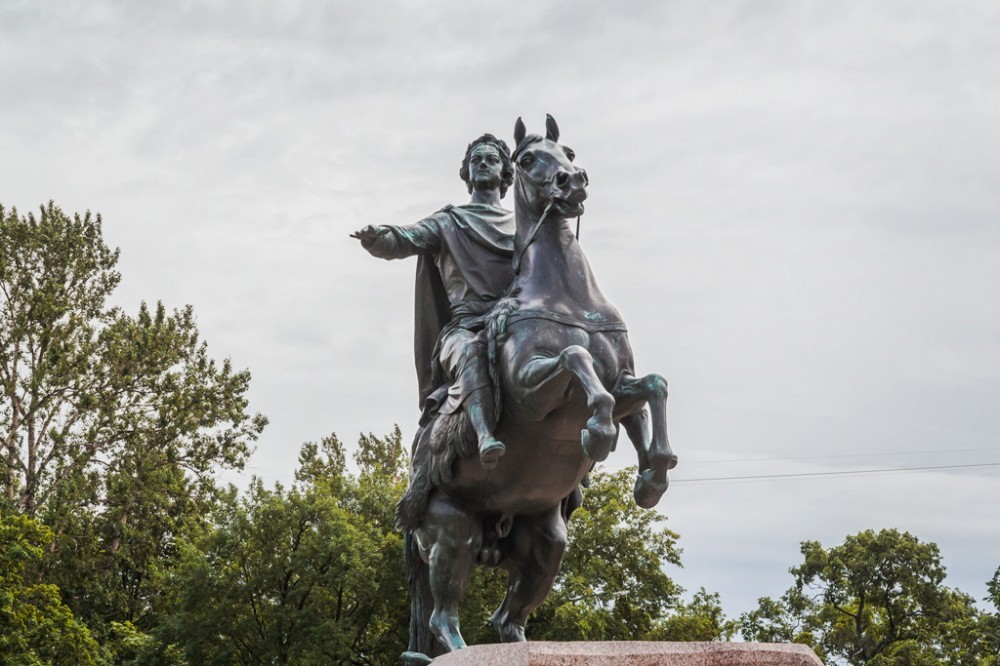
485	167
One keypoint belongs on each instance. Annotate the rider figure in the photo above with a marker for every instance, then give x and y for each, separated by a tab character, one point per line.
463	267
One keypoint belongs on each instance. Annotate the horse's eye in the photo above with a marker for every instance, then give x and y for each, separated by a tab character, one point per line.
527	161
570	155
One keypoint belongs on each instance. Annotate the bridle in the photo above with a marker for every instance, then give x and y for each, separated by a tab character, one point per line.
540	186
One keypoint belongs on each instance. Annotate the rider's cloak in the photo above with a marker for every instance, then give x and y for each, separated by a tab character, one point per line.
463	267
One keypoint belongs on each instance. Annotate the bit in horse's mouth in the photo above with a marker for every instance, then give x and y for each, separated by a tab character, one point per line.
567	208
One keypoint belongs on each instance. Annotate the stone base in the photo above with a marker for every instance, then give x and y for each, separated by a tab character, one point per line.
631	653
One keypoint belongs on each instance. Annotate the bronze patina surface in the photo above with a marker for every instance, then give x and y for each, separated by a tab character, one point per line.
526	376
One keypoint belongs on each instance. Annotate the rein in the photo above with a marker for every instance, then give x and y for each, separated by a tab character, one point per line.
531	237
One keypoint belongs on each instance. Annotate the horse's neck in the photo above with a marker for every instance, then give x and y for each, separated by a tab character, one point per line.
554	273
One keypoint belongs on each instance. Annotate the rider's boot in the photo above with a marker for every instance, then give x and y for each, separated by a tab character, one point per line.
477	406
490	451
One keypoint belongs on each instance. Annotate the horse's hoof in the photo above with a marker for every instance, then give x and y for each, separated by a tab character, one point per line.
597	442
444	627
648	490
490	451
508	630
512	633
415	659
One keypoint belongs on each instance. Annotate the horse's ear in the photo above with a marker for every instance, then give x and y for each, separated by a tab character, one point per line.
519	132
551	128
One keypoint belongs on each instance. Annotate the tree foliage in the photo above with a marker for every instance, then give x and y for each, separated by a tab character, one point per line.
701	619
36	627
988	629
91	395
306	574
112	426
878	598
83	383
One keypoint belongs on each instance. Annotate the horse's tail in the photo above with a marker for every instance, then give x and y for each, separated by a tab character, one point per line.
413	504
435	448
409	515
496	330
422	641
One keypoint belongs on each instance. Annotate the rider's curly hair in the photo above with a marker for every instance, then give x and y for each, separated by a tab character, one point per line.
506	176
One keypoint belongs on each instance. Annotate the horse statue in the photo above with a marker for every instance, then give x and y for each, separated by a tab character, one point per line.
563	368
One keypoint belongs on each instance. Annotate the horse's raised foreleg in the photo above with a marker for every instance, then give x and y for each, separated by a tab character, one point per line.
653	449
450	538
543	374
536	546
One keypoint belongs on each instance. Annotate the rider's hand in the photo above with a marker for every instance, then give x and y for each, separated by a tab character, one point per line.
369	234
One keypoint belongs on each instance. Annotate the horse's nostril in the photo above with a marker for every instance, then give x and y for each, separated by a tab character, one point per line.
586	178
562	179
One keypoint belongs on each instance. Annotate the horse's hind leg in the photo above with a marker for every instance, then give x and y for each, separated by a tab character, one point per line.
542	374
534	551
653	449
450	538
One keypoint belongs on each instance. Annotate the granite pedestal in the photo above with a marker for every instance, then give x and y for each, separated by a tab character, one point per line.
631	653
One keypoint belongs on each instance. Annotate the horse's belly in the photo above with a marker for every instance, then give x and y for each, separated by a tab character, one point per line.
534	475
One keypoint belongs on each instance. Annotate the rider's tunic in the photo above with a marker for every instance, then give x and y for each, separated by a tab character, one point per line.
464	267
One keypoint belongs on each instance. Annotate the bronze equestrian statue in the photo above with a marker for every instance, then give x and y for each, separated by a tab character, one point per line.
562	380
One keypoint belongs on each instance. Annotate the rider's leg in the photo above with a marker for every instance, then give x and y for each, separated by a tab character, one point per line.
537	544
449	539
656	457
463	357
478	407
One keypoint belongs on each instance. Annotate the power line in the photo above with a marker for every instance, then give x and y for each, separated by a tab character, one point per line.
838	473
753	477
838	455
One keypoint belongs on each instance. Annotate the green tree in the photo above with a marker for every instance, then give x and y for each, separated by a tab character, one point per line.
993	586
988	630
785	620
36	628
111	425
701	619
303	575
878	598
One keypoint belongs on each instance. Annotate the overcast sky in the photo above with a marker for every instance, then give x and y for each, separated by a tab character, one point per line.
795	206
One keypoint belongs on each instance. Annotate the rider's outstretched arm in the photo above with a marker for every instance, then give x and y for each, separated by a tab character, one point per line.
390	241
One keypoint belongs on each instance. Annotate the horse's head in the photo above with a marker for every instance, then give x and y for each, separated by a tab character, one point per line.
546	175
